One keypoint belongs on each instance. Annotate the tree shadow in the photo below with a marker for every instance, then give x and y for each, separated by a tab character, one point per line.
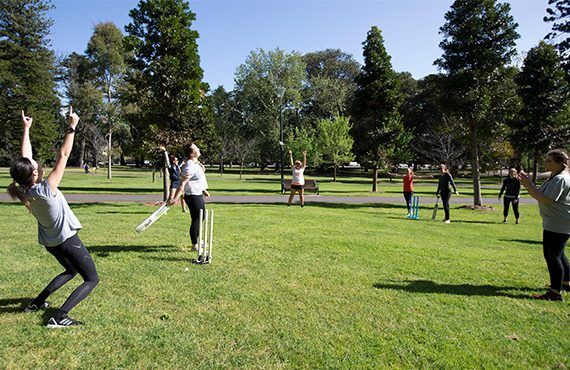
13	305
533	242
107	250
428	286
106	190
124	212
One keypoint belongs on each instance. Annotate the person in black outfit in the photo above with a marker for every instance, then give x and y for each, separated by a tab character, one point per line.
174	171
443	190
511	187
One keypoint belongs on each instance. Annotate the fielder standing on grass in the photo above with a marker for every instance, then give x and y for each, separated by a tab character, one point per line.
554	203
298	180
195	187
57	225
445	180
511	187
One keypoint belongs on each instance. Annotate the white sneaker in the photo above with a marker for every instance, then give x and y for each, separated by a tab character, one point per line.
447	221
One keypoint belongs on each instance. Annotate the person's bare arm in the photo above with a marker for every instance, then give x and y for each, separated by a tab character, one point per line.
26	143
291	158
54	178
532	189
174	199
304	159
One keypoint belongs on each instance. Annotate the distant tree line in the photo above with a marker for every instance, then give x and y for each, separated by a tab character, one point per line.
143	88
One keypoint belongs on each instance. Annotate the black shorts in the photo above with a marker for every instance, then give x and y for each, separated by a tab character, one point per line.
297	187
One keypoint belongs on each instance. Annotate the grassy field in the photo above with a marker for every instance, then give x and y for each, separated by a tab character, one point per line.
130	180
327	286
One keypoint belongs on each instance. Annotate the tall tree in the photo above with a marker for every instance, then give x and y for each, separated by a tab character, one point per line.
257	83
334	142
543	121
27	77
81	91
223	111
559	15
330	84
478	42
377	124
107	54
164	91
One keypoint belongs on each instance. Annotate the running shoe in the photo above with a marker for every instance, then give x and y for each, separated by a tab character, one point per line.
62	322
32	307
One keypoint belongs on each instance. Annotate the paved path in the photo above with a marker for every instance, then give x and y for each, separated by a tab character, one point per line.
145	198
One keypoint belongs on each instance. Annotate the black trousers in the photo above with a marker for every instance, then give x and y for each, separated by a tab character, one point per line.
445	196
195	204
553	245
408	198
514	202
75	258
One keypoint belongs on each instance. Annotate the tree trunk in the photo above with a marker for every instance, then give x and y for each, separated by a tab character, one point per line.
334	173
375	179
109	156
123	161
221	165
82	152
477	200
240	169
535	165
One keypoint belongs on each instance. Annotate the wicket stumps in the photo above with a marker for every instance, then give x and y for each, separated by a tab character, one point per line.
414	214
205	237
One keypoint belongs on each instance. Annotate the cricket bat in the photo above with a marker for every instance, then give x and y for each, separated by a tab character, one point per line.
152	218
435	208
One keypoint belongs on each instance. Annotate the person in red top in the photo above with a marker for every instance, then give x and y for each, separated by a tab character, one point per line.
409	189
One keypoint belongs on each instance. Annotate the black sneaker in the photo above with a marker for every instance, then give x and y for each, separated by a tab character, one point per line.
32	307
549	296
63	322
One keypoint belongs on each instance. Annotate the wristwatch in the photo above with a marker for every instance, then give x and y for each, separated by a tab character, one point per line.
70	130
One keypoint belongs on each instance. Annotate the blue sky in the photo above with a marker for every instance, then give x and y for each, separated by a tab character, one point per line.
230	30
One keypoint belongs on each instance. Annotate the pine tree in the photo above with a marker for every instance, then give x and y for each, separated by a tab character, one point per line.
377	124
479	41
27	78
165	73
543	121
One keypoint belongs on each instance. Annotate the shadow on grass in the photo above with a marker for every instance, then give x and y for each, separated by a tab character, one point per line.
106	189
125	212
171	259
428	286
532	242
106	250
13	305
474	222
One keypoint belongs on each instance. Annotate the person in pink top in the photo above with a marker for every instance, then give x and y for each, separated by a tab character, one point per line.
298	181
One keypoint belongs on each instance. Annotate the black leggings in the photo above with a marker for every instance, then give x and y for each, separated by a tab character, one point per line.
515	203
553	245
445	196
75	258
408	197
195	204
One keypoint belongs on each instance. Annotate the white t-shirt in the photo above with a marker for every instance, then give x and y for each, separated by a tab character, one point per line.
196	178
298	177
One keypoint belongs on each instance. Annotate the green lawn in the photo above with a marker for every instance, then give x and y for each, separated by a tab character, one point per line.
327	286
139	181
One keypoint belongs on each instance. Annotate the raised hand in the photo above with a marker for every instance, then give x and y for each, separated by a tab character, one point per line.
73	118
524	179
26	121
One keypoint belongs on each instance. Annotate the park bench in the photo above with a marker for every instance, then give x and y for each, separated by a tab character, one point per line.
310	185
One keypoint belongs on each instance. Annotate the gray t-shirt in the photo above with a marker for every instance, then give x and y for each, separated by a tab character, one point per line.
556	215
56	221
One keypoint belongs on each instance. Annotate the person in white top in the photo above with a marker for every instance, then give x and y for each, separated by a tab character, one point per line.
298	181
195	187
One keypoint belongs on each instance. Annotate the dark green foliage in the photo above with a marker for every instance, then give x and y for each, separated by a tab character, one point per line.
559	14
165	92
478	42
27	78
377	128
543	121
